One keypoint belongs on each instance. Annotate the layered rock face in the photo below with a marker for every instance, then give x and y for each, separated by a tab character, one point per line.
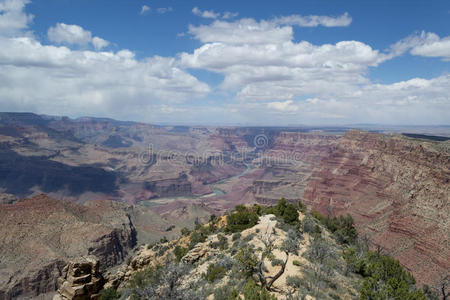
398	192
169	187
39	235
288	164
305	147
80	280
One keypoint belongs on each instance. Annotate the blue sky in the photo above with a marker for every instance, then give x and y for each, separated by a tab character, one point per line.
228	62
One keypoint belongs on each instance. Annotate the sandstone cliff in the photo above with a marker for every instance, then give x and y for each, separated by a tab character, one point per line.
398	192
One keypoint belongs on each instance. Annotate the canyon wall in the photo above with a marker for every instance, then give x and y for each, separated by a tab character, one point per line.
39	235
398	192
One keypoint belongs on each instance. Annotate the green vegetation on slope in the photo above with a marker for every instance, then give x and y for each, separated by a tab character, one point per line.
338	264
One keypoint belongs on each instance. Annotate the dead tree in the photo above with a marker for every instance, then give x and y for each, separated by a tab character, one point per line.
290	245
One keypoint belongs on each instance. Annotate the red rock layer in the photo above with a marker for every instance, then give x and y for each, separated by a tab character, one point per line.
398	193
303	147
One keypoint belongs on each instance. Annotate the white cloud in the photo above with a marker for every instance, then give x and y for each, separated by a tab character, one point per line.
424	44
261	61
314	21
436	48
144	9
59	80
163	10
69	34
229	15
12	17
284	106
210	14
74	35
269	78
270	72
99	43
244	31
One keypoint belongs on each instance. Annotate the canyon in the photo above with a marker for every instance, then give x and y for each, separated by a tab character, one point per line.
398	192
112	185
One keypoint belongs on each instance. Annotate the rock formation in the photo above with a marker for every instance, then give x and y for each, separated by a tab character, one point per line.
80	280
398	193
39	235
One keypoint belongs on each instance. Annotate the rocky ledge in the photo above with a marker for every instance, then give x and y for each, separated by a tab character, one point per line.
80	280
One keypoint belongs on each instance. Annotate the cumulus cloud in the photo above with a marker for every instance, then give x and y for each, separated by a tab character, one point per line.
144	9
74	35
59	80
424	44
99	43
244	31
13	19
210	14
435	47
269	78
270	73
261	61
314	21
70	34
284	106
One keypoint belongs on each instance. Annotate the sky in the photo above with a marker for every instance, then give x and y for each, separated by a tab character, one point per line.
229	62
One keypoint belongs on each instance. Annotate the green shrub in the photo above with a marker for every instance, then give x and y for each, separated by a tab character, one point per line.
302	207
223	242
109	294
213	218
308	224
276	262
296	263
236	236
196	237
161	250
185	231
342	227
143	278
294	282
214	272
287	211
226	293
180	252
246	261
258	209
253	292
241	219
384	277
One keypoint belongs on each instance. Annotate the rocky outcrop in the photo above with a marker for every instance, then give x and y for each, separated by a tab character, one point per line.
201	250
80	280
179	186
39	235
398	193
